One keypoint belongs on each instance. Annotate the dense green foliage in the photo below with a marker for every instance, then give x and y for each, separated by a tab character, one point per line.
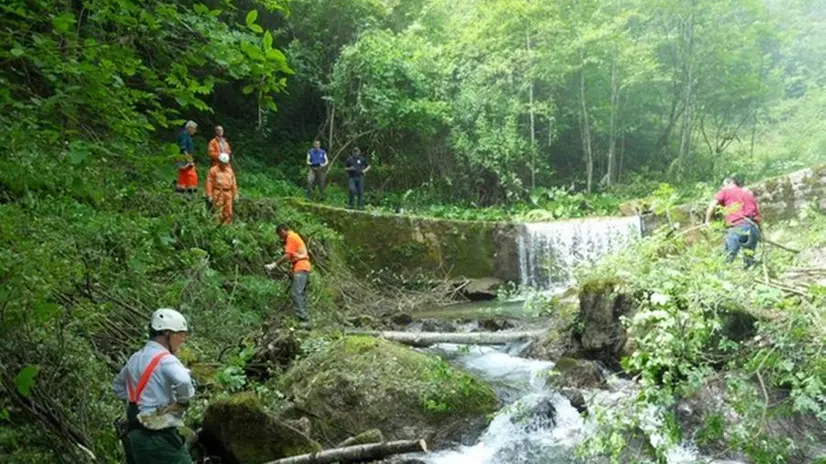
538	109
86	259
689	335
482	102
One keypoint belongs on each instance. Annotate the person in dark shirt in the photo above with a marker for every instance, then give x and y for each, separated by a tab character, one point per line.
187	175
317	174
356	166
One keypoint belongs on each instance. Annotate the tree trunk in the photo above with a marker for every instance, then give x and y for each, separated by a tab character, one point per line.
585	125
358	453
532	114
612	129
423	339
332	123
621	158
688	113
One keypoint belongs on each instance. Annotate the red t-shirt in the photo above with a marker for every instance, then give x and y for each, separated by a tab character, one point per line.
738	203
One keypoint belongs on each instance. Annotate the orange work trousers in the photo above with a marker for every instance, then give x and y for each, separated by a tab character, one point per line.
222	202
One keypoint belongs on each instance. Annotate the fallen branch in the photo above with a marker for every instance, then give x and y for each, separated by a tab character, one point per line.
806	270
422	339
784	287
357	453
782	247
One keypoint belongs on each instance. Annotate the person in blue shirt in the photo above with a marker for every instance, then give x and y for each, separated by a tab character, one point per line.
187	175
356	166
317	174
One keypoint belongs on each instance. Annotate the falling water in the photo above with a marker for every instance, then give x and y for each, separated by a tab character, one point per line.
549	251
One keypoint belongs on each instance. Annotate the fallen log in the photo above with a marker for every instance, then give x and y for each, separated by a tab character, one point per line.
423	339
356	453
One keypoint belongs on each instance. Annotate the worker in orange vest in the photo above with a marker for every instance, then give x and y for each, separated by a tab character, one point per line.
187	175
295	251
218	145
221	188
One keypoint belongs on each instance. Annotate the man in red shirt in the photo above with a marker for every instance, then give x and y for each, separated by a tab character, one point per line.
739	206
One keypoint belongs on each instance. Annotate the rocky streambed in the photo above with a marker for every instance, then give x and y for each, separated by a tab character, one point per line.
523	402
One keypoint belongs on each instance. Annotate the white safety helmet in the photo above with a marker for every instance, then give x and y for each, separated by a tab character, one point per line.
224	158
168	319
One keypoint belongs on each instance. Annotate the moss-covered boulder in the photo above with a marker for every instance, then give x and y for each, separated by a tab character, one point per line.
358	383
248	434
599	332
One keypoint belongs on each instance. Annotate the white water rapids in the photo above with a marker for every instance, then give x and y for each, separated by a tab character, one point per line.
515	435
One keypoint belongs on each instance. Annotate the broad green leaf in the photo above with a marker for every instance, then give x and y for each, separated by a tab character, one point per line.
275	54
248	89
78	152
200	8
62	22
256	28
17	52
251	17
267	41
24	380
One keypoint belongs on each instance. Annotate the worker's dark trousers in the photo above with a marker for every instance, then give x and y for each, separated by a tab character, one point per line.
317	175
743	236
298	293
356	186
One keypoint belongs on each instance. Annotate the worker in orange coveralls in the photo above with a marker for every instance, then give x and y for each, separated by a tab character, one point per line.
218	145
221	188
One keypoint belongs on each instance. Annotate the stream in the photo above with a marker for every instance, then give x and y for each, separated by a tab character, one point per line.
535	425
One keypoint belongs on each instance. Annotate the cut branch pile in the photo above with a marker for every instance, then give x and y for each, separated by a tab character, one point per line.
363	297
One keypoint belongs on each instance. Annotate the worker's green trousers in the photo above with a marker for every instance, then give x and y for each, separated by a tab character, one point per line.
158	447
146	446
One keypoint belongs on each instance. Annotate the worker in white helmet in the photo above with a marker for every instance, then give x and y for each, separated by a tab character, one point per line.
157	388
222	188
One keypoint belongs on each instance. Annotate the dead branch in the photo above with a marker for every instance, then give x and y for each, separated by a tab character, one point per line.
358	453
423	339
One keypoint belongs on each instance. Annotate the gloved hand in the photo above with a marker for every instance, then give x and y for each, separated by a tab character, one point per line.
209	199
236	198
269	267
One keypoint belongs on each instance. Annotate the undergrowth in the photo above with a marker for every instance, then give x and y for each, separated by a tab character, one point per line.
685	343
92	244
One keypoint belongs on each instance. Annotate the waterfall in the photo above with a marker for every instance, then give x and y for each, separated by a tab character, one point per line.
549	251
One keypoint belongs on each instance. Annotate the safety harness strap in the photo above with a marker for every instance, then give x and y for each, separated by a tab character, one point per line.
135	393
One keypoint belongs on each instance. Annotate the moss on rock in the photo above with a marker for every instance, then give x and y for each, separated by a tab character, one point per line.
599	331
250	434
357	383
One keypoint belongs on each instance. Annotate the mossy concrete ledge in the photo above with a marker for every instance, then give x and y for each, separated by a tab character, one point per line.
358	383
407	244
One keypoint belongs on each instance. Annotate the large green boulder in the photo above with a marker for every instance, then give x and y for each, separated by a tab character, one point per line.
359	383
251	435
